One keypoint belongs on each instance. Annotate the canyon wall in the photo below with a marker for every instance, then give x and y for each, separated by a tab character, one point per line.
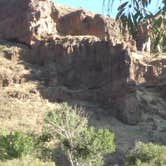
86	56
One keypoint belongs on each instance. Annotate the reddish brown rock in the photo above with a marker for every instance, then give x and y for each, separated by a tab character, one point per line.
147	69
95	67
81	22
26	21
87	68
35	20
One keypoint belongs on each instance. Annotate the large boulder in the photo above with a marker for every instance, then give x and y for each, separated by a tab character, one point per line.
26	21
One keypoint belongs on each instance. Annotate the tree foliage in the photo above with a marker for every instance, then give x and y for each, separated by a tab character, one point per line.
16	144
147	155
133	13
83	145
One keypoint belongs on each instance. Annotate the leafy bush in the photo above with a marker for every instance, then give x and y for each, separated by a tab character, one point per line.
16	144
83	145
147	155
92	144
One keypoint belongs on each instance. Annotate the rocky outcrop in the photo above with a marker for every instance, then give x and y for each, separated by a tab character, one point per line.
41	19
26	21
84	56
147	69
89	69
98	69
86	23
81	22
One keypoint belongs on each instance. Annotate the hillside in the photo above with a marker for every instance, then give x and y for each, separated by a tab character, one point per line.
45	59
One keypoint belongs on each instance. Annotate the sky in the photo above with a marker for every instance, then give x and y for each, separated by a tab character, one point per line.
96	5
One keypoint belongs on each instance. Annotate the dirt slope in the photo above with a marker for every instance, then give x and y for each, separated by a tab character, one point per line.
21	105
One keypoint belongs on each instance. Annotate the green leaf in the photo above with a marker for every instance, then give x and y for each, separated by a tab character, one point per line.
122	6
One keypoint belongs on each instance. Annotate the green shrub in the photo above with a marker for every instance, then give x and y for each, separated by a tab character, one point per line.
147	155
44	137
16	144
83	145
91	144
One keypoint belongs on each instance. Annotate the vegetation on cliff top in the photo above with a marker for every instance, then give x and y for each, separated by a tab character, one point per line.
134	12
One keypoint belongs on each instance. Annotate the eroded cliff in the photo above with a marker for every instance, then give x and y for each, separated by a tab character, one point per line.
52	54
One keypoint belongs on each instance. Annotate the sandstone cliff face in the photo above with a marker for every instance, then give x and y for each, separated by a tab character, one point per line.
85	56
34	20
90	64
92	70
81	22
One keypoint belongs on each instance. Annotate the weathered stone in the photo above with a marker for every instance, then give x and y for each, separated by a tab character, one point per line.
93	70
81	22
41	19
128	109
26	21
94	64
147	69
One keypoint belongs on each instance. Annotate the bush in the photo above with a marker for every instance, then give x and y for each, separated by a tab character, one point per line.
92	144
147	155
83	145
16	144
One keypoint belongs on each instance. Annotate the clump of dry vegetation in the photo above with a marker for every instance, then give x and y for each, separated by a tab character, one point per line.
21	105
